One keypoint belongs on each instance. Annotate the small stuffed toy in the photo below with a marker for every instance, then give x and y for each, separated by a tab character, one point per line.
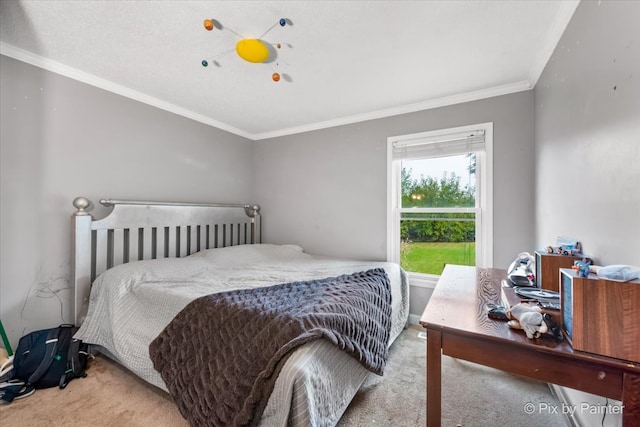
528	318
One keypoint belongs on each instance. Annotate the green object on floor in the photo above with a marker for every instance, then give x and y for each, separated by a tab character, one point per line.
5	340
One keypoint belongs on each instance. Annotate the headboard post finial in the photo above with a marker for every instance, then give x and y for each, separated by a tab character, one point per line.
81	204
252	210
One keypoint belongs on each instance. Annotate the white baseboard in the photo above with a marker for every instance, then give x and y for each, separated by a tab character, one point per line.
414	319
588	410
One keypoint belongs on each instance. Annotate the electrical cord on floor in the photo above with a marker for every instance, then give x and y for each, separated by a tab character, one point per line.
604	413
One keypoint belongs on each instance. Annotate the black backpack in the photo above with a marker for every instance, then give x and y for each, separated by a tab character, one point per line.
48	358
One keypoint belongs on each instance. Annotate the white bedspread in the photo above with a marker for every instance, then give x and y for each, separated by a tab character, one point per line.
132	303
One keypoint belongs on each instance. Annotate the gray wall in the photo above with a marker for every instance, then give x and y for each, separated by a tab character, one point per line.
327	190
61	138
587	134
587	142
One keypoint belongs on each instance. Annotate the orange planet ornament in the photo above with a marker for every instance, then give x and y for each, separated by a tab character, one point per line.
275	77
208	24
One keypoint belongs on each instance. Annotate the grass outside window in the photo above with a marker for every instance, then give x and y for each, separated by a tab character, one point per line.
431	257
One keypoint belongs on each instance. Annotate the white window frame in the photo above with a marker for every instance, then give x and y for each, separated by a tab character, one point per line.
484	197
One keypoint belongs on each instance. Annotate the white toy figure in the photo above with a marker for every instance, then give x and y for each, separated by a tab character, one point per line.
528	318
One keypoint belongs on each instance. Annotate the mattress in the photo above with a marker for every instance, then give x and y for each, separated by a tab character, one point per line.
132	303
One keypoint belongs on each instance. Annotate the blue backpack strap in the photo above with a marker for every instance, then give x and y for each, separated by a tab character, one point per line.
49	355
74	368
15	389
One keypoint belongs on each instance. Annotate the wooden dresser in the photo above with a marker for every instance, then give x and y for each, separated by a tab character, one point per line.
457	325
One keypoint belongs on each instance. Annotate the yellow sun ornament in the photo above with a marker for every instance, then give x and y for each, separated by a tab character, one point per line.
254	50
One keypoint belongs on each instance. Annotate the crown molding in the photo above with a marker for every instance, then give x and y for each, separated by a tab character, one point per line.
90	79
410	108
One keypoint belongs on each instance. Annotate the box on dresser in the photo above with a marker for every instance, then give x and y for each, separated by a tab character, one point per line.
547	268
601	316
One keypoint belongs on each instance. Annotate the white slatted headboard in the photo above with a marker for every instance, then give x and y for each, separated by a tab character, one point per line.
140	230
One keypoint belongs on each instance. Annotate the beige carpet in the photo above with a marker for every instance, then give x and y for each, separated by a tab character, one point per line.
472	396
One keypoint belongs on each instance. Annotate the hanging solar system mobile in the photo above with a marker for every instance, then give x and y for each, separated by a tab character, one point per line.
251	50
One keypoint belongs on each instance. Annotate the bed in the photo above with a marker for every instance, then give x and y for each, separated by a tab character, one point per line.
139	267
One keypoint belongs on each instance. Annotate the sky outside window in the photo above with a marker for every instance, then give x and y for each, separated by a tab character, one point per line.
436	167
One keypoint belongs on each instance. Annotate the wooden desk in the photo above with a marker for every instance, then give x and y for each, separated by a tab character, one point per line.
457	325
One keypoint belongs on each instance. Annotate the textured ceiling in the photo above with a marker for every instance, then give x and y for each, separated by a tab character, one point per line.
341	61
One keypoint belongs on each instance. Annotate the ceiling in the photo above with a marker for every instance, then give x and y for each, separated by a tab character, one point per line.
340	61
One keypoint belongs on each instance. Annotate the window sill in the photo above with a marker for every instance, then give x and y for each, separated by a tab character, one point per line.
423	280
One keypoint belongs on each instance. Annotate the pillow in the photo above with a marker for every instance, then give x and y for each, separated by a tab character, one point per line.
254	253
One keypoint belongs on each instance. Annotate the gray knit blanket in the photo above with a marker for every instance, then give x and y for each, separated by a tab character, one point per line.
220	356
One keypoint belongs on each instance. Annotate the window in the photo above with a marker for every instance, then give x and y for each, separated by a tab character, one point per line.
439	206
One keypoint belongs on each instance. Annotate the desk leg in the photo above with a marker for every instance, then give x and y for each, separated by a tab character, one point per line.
434	378
630	399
